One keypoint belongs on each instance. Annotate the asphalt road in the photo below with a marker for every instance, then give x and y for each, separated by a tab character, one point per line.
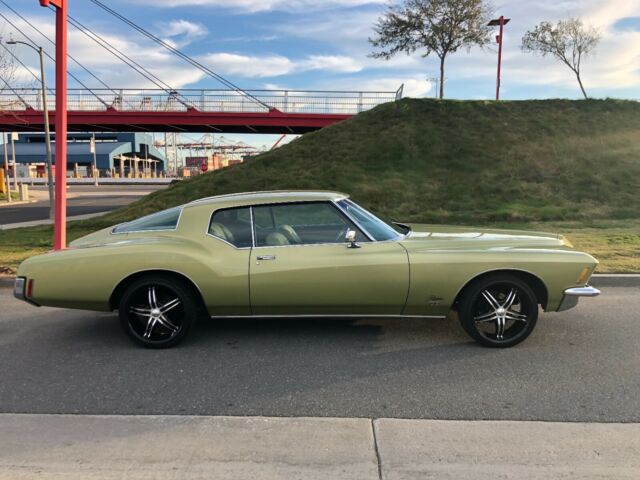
580	365
82	200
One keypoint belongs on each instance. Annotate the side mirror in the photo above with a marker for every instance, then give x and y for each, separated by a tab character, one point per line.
350	238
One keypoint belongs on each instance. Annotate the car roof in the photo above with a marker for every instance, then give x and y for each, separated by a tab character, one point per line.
276	196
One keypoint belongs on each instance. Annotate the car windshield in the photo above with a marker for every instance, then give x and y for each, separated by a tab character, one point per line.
378	229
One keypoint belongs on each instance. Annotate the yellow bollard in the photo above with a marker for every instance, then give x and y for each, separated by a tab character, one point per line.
3	186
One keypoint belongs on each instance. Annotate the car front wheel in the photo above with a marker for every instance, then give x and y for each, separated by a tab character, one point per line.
498	311
157	311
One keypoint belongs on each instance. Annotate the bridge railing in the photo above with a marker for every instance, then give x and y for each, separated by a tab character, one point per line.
130	100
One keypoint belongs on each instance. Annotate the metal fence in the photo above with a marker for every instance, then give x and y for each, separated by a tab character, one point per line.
131	100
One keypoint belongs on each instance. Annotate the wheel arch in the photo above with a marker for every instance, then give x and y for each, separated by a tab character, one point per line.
535	283
121	287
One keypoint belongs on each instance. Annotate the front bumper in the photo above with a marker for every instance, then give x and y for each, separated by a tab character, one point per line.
572	295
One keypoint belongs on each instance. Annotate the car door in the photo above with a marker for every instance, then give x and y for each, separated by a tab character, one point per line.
301	265
228	245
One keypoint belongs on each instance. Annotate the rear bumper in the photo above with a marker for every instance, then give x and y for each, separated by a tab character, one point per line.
19	290
572	296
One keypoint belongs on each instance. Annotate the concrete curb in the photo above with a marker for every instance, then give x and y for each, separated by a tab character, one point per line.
264	448
615	280
37	223
15	203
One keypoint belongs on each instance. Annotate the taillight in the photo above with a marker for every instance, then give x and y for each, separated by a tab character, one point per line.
30	288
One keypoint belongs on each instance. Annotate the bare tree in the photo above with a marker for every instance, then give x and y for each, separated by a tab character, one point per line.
8	70
568	41
432	26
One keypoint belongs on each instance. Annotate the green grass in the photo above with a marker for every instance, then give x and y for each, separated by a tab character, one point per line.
568	166
14	196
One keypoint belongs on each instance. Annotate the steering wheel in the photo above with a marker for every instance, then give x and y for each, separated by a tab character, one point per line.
342	234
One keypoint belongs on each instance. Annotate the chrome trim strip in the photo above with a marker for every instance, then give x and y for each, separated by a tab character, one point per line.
586	291
253	227
345	244
319	315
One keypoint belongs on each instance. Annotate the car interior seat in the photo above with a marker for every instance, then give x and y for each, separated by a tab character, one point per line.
221	231
289	232
276	239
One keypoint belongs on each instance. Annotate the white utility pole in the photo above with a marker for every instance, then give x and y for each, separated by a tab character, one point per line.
6	169
92	147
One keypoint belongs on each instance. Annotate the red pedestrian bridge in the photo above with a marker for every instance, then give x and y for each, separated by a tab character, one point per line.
225	111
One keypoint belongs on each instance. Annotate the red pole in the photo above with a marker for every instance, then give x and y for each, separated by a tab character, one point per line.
499	56
60	222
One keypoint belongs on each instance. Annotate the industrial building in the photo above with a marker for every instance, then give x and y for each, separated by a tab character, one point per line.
116	154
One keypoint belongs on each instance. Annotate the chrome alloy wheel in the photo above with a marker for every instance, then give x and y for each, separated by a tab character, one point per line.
500	314
157	311
156	314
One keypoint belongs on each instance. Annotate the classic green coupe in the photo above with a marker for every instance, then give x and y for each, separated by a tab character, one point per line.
301	254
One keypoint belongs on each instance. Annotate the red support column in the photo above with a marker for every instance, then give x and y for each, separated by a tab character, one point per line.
60	223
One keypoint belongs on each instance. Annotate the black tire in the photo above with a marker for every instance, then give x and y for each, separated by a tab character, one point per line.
171	307
483	314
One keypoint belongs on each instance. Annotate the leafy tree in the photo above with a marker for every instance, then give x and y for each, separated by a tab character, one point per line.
441	27
568	41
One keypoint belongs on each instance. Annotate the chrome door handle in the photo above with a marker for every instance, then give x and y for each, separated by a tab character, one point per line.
266	257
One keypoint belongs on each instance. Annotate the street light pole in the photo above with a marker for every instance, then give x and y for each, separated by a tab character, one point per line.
501	22
47	136
47	129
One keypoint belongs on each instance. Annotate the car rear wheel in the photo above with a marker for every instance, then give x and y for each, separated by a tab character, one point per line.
498	311
157	311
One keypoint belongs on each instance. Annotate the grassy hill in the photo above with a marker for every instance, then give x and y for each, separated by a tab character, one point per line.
574	163
456	161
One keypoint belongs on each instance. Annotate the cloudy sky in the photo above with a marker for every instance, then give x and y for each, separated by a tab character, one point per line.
322	44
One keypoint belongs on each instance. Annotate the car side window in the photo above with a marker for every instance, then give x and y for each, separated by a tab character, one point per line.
233	225
164	220
301	224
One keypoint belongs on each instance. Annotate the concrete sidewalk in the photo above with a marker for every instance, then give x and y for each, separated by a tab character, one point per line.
35	223
186	447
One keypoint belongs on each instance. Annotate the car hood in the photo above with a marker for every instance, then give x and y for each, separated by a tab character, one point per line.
473	237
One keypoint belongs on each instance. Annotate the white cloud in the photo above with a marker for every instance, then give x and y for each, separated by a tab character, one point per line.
413	86
262	5
250	66
181	32
278	65
112	71
333	63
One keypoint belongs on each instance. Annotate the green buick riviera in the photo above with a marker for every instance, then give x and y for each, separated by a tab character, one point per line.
306	254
